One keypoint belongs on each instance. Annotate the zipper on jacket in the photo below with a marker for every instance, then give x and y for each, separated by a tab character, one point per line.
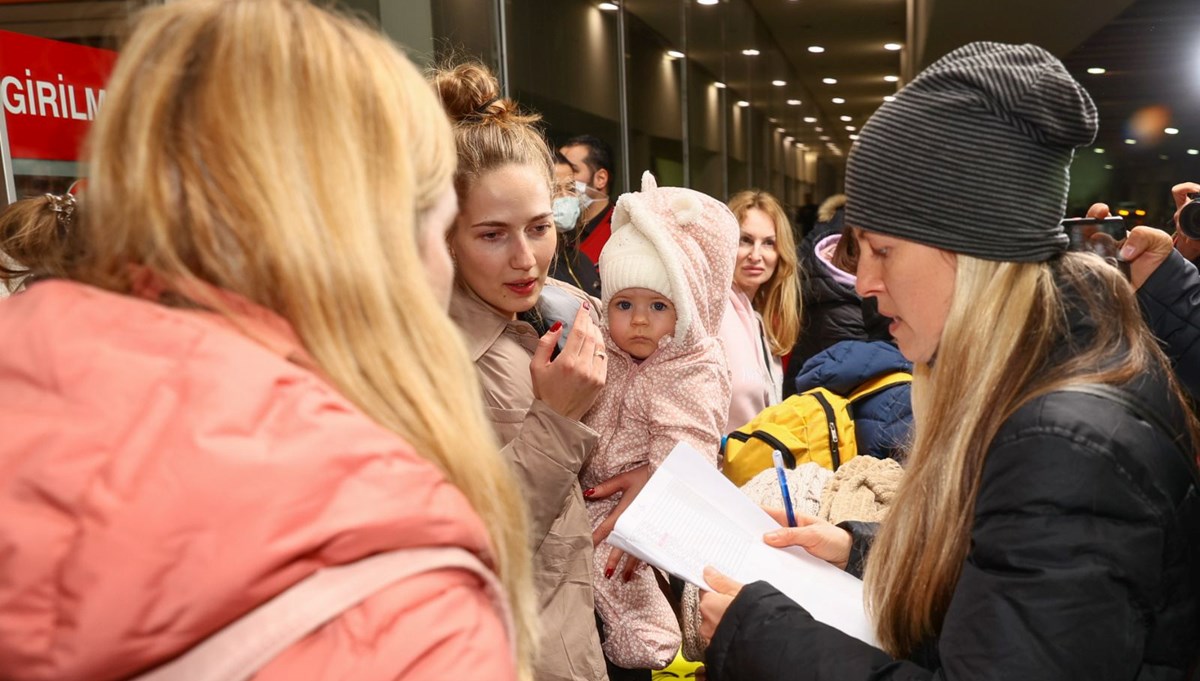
831	419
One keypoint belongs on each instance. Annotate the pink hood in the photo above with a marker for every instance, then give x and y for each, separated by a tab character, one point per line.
161	474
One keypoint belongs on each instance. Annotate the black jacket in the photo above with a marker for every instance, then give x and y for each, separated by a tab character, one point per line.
1084	564
1170	301
833	312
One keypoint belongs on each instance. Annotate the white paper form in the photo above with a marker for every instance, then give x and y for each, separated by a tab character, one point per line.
689	515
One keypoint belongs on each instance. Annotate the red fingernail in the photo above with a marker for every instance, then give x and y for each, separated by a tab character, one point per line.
608	573
555	327
587	304
588	492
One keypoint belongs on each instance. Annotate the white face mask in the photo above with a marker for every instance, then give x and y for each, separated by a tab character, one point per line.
585	199
566	213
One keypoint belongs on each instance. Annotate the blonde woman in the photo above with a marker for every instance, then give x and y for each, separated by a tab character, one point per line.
762	318
536	389
1046	526
249	374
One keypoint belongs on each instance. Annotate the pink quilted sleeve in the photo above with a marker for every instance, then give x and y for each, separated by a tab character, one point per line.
436	626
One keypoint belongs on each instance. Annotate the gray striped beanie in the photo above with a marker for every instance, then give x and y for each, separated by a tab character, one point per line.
974	155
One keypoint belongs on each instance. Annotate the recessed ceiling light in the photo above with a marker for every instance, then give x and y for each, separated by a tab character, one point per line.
838	100
780	130
824	138
892	79
772	121
1193	152
809	119
829	81
743	103
608	6
719	85
1172	131
779	83
854	137
751	52
819	129
816	49
788	139
1108	167
893	47
793	102
1130	141
851	128
847	119
706	2
1097	71
889	98
1099	150
675	54
1164	157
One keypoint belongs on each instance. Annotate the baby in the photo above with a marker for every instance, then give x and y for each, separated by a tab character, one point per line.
665	274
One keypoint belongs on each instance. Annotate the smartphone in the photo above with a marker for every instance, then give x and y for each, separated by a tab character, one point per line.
556	305
1104	237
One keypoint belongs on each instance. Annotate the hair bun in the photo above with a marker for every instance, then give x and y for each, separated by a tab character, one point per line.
470	92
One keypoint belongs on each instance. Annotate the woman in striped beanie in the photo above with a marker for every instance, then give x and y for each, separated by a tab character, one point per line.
1048	526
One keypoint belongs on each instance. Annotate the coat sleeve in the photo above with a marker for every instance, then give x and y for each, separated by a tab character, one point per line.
1050	589
439	625
548	454
1170	301
696	412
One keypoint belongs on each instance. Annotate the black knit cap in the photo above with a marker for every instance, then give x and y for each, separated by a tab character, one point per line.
974	155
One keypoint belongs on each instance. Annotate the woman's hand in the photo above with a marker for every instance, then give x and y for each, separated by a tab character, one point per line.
713	604
628	484
819	537
571	383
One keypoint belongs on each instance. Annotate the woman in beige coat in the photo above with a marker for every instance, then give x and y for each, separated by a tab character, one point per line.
534	392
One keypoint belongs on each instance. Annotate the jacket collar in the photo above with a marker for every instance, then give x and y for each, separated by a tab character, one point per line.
480	324
229	310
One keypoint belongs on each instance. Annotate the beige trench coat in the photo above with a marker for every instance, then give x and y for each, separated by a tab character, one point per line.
547	451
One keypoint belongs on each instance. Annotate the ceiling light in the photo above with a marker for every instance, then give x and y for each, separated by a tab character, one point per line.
892	79
719	85
1193	152
851	128
829	81
816	49
1131	141
706	2
854	137
819	129
1163	157
809	119
788	139
1108	167
779	83
1097	71
750	52
1172	131
893	47
675	54
608	6
889	98
772	121
847	119
780	130
824	138
793	102
743	103
838	100
1099	150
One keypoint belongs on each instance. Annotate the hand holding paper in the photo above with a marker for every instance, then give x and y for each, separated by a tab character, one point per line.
689	516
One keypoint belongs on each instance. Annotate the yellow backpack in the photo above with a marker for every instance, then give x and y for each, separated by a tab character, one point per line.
817	425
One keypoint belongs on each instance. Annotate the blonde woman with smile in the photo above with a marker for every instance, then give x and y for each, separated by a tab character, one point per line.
243	374
1046	526
762	317
535	393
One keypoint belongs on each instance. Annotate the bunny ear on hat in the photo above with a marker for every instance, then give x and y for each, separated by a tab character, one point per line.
649	184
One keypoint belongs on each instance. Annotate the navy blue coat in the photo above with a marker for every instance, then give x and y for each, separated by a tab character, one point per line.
882	422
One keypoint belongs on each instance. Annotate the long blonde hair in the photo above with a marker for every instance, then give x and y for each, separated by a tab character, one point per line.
778	301
286	154
1005	320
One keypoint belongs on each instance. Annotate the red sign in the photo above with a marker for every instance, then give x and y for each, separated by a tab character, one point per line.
51	92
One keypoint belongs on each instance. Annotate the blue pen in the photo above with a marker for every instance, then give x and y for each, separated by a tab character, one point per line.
783	487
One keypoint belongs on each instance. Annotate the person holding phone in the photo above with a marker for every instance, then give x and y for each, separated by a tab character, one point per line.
1046	525
535	392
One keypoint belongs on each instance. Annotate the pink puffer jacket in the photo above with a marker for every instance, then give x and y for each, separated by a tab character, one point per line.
161	475
681	393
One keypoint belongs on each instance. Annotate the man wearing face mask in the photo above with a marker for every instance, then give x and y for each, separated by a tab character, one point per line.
570	264
591	163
